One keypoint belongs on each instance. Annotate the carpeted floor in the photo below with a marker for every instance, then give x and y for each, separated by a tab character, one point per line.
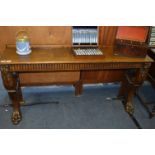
57	107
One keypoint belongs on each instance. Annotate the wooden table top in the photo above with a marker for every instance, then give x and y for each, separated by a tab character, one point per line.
63	55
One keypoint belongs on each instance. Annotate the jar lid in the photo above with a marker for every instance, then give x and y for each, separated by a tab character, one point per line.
22	39
22	36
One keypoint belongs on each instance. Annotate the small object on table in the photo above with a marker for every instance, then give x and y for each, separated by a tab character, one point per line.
22	43
87	51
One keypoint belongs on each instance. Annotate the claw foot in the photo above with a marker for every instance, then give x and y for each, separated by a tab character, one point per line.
129	108
16	117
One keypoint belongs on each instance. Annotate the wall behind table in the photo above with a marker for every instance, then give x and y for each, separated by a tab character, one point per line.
107	35
52	35
42	35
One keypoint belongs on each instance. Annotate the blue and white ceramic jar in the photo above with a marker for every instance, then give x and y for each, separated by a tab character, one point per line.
22	43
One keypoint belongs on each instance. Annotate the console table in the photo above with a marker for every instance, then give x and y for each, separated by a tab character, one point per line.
58	65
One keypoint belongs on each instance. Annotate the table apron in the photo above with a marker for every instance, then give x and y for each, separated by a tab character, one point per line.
72	66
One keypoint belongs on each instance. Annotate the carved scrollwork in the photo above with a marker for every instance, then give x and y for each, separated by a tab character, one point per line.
145	70
9	78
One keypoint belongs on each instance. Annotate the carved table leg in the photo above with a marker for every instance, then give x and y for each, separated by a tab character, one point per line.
78	88
122	91
20	95
129	106
16	116
126	94
10	81
134	82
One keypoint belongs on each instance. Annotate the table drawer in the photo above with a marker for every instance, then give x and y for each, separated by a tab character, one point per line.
48	78
102	76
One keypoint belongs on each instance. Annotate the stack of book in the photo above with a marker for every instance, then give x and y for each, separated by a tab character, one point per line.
152	37
85	36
